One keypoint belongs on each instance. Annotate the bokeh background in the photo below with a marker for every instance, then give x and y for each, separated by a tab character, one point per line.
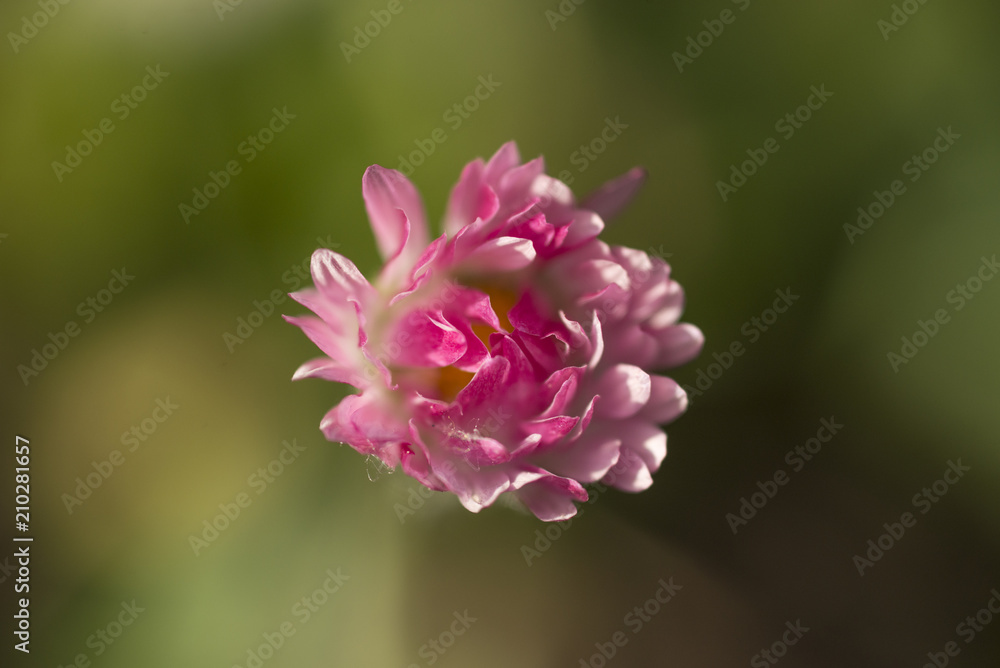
559	70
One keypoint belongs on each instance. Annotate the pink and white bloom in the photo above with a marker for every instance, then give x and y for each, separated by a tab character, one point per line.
513	353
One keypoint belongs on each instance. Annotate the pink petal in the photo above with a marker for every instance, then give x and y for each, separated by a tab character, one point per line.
561	386
526	316
416	466
551	498
487	385
611	198
415	460
477	449
475	352
500	254
431	253
341	316
589	458
536	229
592	277
336	276
662	306
552	192
515	184
333	345
573	333
471	198
429	341
550	429
585	226
644	447
476	305
328	369
361	421
521	370
597	340
634	476
474	489
667	400
505	159
548	352
377	361
679	344
394	205
627	343
581	427
644	272
646	440
624	389
468	238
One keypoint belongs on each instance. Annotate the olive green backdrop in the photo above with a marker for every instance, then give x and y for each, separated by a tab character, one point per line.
238	148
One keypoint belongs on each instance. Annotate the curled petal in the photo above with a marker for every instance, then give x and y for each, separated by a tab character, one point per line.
551	498
327	369
471	199
561	386
364	421
500	254
551	429
336	276
476	352
475	489
333	344
396	212
425	339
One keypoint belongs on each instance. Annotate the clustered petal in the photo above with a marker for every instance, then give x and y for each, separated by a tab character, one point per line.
514	352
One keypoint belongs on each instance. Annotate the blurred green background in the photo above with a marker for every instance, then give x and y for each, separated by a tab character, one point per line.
224	69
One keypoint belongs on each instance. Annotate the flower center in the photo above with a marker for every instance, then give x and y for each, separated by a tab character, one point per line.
502	300
451	380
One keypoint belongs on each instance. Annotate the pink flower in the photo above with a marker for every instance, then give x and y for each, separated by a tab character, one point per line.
512	353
